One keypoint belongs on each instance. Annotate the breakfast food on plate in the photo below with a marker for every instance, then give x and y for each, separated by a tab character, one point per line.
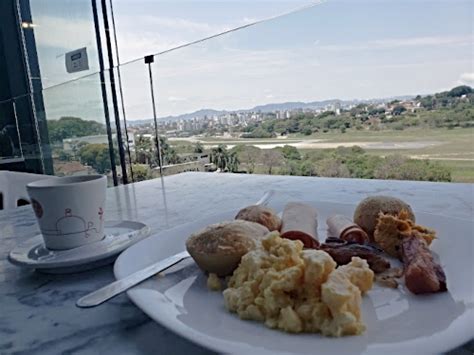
214	282
298	290
343	251
219	247
390	231
422	273
300	221
389	278
367	212
342	227
291	282
260	214
402	238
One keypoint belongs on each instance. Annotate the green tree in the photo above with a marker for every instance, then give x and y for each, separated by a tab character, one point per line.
64	156
141	172
291	153
143	150
198	148
398	167
308	168
272	158
248	155
233	162
460	90
168	153
398	110
332	168
223	159
97	156
70	127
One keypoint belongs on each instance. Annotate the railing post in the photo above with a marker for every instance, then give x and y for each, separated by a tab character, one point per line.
149	59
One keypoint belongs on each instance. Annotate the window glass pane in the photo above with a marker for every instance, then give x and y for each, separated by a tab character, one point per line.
165	24
60	27
76	127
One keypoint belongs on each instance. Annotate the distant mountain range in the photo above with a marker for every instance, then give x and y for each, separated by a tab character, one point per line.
284	106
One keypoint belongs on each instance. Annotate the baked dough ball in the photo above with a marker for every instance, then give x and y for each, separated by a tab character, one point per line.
367	212
262	215
219	247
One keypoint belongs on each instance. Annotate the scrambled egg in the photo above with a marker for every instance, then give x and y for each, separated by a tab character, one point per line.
213	282
298	290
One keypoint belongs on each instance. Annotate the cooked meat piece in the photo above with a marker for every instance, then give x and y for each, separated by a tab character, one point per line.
422	273
342	252
300	221
342	227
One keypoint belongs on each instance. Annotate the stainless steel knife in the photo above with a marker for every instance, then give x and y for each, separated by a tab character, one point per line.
113	289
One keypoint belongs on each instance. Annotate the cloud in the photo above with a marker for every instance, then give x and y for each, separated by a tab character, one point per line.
423	41
176	98
174	23
466	79
390	43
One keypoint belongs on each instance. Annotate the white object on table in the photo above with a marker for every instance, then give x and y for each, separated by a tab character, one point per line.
39	313
119	235
13	187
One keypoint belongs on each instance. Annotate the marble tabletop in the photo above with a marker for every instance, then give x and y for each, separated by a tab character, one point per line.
38	313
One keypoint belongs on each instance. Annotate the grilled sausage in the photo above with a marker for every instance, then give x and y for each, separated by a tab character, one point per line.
342	252
342	227
422	273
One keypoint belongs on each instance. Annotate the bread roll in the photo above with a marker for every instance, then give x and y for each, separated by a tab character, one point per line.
262	215
367	212
219	247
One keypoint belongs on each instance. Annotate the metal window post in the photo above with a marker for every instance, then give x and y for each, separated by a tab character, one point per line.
119	77
118	128
104	92
148	60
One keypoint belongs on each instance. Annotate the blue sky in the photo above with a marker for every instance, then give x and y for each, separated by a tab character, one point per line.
338	49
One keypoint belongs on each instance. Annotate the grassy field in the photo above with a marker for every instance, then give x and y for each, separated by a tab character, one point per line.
461	171
453	148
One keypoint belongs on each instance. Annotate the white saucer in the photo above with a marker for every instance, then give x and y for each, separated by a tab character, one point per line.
119	235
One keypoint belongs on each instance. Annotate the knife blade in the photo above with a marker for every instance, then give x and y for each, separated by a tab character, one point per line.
111	290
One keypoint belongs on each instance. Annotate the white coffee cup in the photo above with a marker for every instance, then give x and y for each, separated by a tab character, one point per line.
69	210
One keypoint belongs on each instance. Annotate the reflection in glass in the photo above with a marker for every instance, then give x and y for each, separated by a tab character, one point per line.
77	131
62	27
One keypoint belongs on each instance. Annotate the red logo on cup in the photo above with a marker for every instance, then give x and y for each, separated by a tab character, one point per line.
37	208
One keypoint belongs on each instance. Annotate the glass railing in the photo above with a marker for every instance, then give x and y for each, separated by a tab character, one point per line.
326	90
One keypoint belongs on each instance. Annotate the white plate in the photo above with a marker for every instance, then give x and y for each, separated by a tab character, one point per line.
397	321
119	235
